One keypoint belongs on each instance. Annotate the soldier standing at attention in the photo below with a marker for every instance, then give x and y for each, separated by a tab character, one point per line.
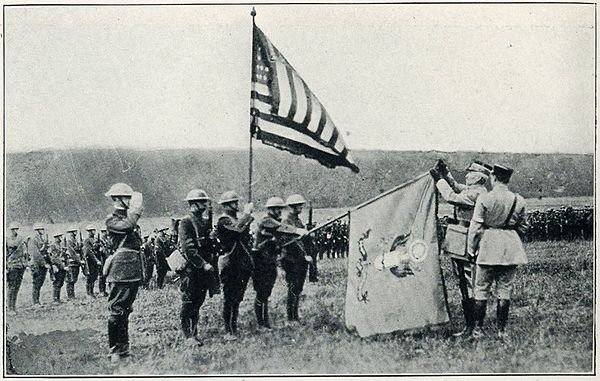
295	258
265	254
104	252
59	266
123	269
38	252
463	197
16	260
194	231
90	256
498	222
235	263
74	253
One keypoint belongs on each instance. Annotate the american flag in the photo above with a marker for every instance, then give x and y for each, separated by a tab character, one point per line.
286	114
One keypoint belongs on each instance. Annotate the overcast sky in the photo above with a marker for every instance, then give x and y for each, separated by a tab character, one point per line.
400	77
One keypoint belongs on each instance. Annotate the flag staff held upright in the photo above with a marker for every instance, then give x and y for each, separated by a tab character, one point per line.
252	112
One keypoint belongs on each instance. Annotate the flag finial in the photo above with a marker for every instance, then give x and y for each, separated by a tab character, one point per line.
253	13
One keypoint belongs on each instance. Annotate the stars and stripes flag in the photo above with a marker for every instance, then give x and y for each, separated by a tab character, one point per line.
286	113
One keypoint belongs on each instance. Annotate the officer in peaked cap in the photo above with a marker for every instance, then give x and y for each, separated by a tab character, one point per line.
463	197
197	274
91	256
38	260
494	239
235	263
295	258
267	249
16	261
123	269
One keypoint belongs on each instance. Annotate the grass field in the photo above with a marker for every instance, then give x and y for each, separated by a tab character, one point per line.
551	327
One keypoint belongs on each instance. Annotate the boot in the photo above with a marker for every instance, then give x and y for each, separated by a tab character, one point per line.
258	313
35	295
186	321
468	311
502	316
265	312
296	307
56	295
235	309
12	302
479	315
70	291
227	317
291	304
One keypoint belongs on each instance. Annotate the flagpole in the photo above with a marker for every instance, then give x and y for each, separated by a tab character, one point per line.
252	112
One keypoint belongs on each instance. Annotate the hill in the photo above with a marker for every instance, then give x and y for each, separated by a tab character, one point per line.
68	185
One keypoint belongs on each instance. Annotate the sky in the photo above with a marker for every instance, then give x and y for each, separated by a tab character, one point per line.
479	77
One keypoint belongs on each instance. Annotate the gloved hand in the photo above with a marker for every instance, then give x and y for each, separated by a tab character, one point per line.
248	208
308	259
441	168
435	174
136	203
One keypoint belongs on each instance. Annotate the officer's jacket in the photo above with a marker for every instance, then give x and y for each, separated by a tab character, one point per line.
462	196
230	231
122	227
37	250
125	265
15	253
196	248
268	232
74	250
296	251
56	255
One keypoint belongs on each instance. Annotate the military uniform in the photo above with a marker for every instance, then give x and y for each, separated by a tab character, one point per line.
149	255
91	256
163	249
295	266
38	251
123	271
498	220
74	255
59	266
196	248
16	261
103	252
235	264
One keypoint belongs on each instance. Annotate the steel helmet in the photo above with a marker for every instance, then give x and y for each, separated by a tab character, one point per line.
275	202
295	199
90	227
72	228
13	225
228	196
38	226
57	235
197	195
119	189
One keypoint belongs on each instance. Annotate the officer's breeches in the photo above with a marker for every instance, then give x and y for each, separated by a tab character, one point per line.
193	293
38	274
263	280
120	305
14	277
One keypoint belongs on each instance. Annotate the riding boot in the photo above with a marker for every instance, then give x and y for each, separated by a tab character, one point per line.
194	317
291	303
502	315
258	310
227	316
113	334
479	315
235	308
265	312
468	311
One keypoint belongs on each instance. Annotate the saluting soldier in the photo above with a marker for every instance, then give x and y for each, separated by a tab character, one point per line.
196	277
38	256
123	269
266	253
494	239
16	261
295	258
104	252
74	253
463	197
91	257
59	264
235	262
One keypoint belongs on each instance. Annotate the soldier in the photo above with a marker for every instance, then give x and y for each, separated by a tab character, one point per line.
16	261
196	248
148	252
265	254
104	252
91	257
235	263
162	249
38	255
494	238
74	253
59	262
123	269
295	258
463	197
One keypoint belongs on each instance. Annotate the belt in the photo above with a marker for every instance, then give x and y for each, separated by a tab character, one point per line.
511	227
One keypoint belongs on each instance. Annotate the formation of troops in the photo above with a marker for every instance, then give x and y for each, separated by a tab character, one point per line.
220	255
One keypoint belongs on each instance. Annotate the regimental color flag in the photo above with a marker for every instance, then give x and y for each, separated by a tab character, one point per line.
394	275
286	114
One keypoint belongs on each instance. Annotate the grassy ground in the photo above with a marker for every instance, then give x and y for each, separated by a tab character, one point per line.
551	327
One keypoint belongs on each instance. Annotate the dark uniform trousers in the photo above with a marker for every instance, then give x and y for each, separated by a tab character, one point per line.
14	277
193	288
120	305
38	273
235	281
91	277
263	280
72	276
295	274
57	283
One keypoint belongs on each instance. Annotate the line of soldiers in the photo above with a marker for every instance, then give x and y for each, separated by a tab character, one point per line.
332	240
566	223
61	260
207	257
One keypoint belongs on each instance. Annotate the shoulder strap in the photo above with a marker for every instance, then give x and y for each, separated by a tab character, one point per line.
512	209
